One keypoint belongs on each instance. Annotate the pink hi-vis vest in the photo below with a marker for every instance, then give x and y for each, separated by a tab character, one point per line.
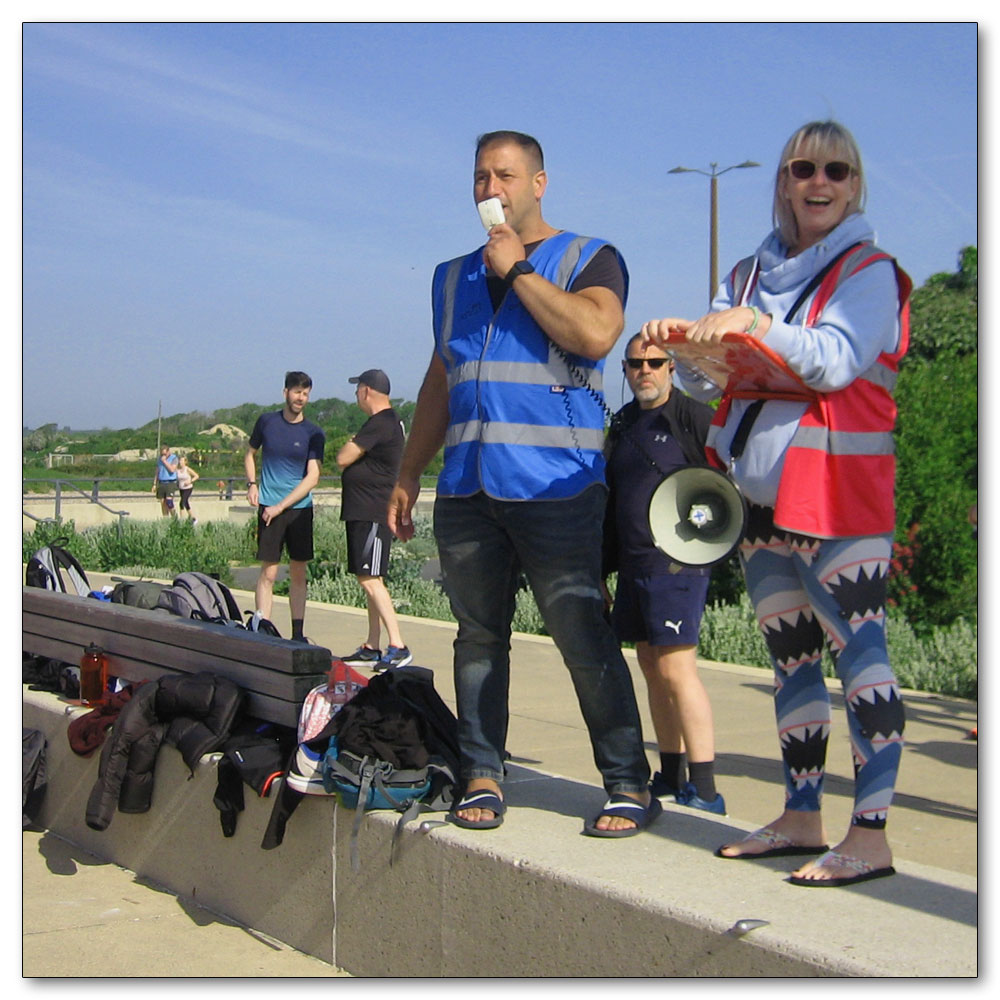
839	474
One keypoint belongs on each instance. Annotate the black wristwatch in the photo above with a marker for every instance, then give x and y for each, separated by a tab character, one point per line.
520	267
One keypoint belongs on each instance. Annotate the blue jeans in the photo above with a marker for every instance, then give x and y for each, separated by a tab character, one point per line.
484	545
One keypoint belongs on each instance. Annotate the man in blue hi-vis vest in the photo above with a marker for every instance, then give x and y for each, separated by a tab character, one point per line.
514	393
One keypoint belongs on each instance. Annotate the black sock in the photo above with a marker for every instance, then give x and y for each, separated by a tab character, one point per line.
297	628
673	768
703	779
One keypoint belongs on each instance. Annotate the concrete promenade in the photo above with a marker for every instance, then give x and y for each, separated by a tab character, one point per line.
933	824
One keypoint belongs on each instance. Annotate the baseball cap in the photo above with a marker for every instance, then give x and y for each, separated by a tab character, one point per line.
374	378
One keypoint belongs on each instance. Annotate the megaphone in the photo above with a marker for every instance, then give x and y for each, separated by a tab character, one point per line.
697	516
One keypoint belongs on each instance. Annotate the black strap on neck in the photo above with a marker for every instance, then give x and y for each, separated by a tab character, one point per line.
743	431
817	279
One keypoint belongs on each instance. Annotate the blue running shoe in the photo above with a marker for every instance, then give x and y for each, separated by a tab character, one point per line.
689	797
395	656
662	789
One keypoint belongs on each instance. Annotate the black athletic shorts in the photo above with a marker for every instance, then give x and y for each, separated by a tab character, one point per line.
165	488
292	529
368	546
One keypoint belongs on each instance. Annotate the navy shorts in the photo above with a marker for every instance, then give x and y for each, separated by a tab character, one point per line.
368	546
663	610
292	529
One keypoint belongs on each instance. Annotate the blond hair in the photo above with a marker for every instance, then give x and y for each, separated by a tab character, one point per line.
823	142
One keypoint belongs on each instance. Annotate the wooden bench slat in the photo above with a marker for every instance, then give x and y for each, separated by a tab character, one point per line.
140	645
127	655
254	647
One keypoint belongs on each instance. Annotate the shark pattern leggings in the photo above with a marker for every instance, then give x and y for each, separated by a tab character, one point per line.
807	591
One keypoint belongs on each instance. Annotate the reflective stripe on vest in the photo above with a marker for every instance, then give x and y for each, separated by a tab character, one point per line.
838	479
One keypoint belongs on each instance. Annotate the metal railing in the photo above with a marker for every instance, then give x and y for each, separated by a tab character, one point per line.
92	497
93	494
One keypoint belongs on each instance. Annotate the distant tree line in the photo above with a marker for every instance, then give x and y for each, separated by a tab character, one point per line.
213	455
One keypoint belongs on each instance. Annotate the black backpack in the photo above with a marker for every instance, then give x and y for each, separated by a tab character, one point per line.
411	689
199	596
137	593
52	565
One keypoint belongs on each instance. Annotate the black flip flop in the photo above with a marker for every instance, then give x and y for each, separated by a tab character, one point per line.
768	835
792	851
865	873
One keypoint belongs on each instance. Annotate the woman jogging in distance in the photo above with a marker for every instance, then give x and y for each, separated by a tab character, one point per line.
819	477
186	478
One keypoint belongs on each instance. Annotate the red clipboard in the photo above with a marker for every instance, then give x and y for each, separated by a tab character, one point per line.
742	365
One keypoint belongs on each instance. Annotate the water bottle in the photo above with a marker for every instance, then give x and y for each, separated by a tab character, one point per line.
93	675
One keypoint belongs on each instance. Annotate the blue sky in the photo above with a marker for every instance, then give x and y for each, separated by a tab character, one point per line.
208	205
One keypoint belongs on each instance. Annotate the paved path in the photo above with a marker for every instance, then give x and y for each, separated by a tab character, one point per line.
85	917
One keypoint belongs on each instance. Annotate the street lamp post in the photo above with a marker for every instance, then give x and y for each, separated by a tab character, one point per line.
713	251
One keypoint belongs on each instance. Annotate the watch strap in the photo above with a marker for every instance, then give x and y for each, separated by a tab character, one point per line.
520	267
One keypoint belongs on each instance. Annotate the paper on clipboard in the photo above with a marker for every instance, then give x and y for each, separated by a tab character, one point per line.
742	365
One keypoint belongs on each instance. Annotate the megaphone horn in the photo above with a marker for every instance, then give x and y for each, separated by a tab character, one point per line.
697	516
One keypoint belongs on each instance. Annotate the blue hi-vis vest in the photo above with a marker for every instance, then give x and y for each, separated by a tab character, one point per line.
521	426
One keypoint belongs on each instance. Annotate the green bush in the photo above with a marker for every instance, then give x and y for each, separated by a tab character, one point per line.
946	661
730	634
935	570
168	545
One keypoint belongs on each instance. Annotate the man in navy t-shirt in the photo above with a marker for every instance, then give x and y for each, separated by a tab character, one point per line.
659	605
289	471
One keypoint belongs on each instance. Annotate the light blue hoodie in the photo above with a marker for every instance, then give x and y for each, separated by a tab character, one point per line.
858	323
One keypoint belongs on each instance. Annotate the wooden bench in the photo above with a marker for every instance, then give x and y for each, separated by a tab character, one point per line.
277	674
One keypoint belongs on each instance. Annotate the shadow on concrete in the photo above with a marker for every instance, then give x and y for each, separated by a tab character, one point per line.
957	754
200	916
62	857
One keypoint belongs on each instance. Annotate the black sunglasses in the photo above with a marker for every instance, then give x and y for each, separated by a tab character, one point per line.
655	363
835	171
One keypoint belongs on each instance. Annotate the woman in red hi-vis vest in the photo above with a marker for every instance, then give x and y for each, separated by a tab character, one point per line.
818	476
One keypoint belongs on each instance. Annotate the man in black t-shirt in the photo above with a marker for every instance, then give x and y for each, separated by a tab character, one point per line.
369	464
